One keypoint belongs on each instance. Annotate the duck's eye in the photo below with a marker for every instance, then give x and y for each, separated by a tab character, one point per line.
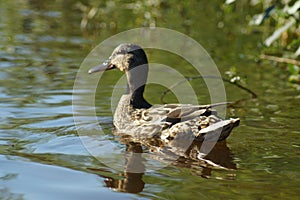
106	62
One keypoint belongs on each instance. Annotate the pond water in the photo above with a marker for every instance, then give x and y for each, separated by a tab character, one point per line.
42	46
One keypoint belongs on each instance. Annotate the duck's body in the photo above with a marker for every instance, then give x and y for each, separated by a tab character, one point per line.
137	118
165	122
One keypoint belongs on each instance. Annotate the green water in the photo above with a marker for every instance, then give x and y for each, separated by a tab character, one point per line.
42	46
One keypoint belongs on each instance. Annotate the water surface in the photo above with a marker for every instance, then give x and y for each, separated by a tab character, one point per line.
42	46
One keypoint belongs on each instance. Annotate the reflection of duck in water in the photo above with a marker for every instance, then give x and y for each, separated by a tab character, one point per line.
219	157
132	182
137	118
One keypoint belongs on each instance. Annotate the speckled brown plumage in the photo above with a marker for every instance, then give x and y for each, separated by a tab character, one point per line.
170	124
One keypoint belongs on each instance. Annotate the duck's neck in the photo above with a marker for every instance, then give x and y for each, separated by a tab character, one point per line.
137	99
136	81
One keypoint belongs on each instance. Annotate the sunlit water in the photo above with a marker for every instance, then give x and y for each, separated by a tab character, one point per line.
42	156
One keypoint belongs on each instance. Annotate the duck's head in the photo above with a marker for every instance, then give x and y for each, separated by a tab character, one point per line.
131	59
124	57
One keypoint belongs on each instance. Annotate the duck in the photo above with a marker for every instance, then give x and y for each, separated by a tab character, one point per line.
136	118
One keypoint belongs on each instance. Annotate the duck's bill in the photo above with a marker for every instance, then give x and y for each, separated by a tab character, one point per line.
103	67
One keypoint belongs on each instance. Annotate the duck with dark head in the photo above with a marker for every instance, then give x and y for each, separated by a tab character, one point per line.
166	123
132	60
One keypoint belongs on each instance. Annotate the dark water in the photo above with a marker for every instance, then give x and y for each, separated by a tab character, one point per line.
42	46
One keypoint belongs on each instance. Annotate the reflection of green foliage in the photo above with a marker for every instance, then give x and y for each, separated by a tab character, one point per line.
234	77
295	74
293	69
283	18
102	15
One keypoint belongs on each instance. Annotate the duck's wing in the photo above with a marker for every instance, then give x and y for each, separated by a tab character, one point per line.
176	113
200	121
173	113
